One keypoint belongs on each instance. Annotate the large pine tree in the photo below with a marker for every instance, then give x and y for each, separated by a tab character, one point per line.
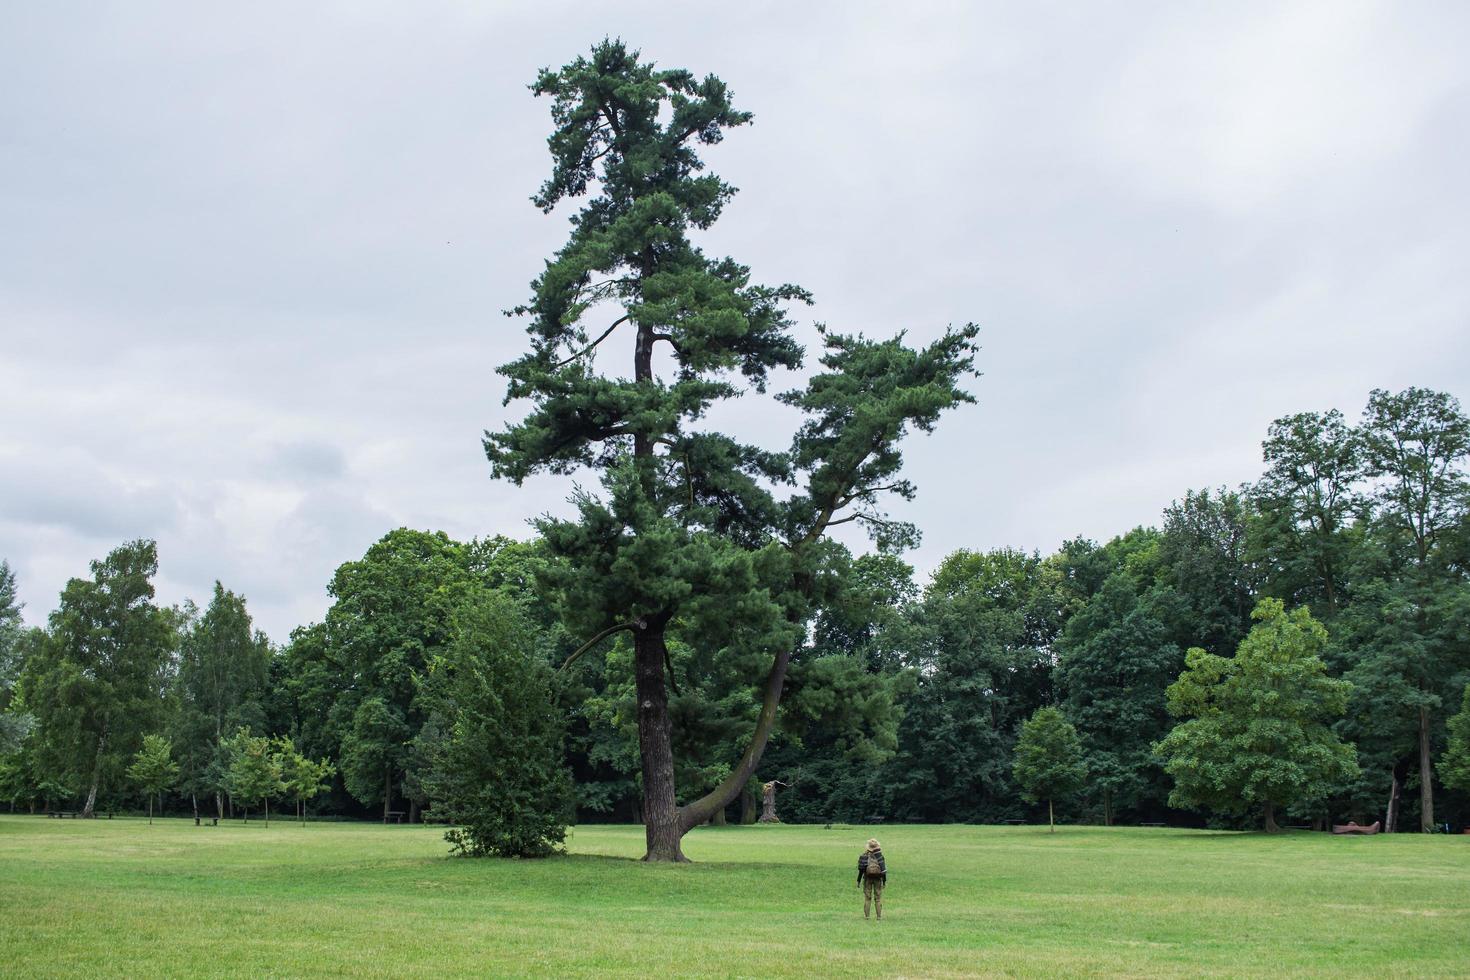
689	535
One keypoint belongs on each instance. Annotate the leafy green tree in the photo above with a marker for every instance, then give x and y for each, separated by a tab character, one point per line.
301	778
981	643
305	692
154	769
13	724
1115	662
1417	442
1306	502
96	684
498	771
391	614
1203	557
864	617
1454	764
254	770
690	535
221	686
1048	761
1256	730
374	752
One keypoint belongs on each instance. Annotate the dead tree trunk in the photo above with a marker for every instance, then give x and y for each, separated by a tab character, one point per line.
768	801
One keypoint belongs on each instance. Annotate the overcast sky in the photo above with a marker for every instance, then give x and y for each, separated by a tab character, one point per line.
252	256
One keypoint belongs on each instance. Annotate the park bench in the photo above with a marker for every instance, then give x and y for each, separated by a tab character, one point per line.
396	814
1016	823
61	814
1154	824
873	819
1353	828
213	821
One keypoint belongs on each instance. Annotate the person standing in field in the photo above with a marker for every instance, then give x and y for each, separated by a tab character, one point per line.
872	876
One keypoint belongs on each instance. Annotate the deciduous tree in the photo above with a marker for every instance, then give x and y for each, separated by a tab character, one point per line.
254	770
301	778
96	684
1417	442
221	686
1048	761
154	769
1256	725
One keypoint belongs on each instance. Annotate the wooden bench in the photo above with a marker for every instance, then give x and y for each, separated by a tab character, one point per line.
213	821
1154	824
61	814
873	819
398	814
1016	823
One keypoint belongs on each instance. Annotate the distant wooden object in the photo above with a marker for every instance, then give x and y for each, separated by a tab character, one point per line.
1157	824
1352	828
768	801
397	816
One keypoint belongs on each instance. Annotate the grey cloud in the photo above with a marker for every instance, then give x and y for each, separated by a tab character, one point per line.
254	258
305	459
76	496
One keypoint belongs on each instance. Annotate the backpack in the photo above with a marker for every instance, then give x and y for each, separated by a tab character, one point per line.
875	864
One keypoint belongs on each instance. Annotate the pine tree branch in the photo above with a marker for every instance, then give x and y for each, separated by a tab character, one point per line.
605	334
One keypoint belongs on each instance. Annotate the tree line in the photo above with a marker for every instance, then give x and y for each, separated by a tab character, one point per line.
1294	647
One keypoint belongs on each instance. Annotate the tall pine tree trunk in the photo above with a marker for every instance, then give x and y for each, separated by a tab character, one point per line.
661	823
1426	774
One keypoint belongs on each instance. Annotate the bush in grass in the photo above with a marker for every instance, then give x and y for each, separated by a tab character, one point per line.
495	756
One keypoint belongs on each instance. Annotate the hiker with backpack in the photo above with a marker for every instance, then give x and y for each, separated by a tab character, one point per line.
872	876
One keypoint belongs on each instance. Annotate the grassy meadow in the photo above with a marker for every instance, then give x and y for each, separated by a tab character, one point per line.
120	897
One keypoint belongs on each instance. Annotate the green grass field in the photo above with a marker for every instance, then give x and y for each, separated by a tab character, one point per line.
123	898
